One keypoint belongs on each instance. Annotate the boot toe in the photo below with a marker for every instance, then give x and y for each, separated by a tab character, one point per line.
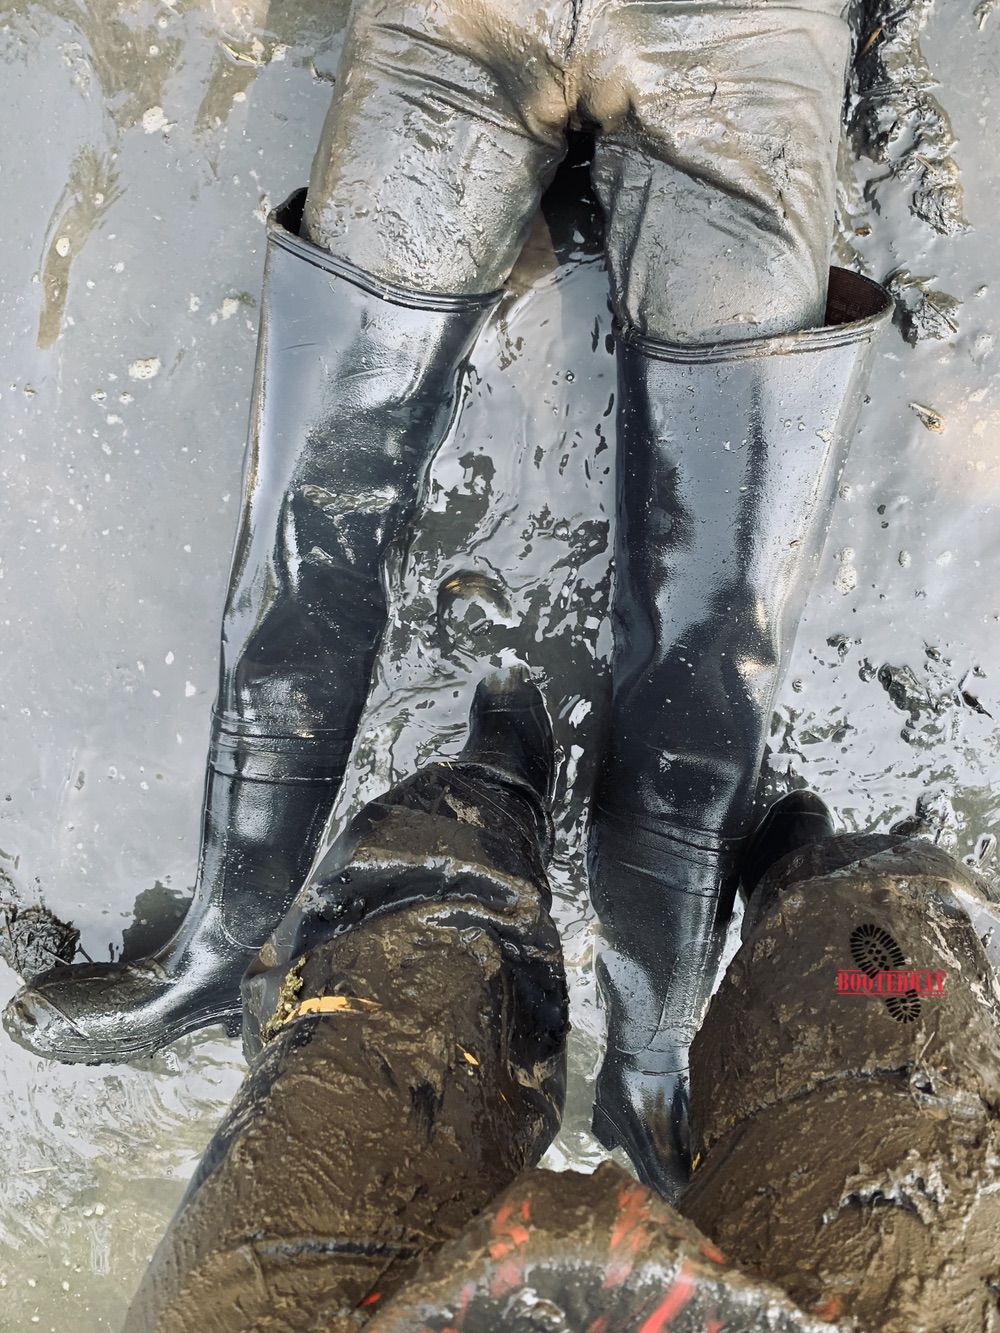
644	1113
33	1021
87	1014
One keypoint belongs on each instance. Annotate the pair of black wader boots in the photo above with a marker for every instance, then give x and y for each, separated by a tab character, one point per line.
728	461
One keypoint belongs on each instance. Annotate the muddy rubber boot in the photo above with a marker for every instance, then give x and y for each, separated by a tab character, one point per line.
729	457
356	386
845	1086
407	1065
442	827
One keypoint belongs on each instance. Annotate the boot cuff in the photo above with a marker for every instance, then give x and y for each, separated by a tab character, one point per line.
284	230
857	309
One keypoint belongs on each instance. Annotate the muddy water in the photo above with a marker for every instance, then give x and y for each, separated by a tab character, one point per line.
142	145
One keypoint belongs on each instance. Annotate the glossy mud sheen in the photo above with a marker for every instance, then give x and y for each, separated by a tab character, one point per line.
151	141
889	1102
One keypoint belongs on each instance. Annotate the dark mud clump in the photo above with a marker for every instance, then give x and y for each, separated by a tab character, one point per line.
894	117
933	820
32	939
922	311
905	690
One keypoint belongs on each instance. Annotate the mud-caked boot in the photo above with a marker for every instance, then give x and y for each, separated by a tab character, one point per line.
458	827
406	1032
729	457
356	385
845	1088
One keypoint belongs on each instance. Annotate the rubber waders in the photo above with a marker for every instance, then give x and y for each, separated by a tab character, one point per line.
729	458
356	386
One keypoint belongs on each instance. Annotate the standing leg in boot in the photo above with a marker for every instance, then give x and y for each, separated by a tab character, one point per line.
421	207
356	385
718	187
846	1081
413	1052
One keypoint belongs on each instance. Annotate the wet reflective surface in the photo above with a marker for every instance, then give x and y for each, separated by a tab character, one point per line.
147	174
355	388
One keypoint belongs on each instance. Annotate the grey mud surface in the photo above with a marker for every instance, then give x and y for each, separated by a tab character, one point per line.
143	143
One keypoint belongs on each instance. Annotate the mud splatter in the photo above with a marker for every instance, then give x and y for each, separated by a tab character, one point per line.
921	310
233	74
896	120
906	692
33	939
144	368
929	416
470	603
91	189
129	60
934	818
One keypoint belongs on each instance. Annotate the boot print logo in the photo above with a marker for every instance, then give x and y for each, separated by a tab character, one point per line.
881	969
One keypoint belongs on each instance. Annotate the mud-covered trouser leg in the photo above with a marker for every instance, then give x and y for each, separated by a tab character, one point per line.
593	1252
846	1089
412	1065
717	128
456	113
715	161
729	458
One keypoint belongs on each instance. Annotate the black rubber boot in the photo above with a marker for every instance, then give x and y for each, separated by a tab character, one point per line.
794	821
356	386
510	732
728	464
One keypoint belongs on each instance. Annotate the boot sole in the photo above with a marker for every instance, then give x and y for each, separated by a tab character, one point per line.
231	1021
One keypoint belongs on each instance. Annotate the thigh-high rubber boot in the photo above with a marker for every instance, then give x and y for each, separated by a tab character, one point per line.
412	1061
846	1089
356	385
729	457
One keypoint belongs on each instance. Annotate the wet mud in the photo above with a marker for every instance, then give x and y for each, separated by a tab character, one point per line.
152	139
569	1251
872	1118
32	939
897	121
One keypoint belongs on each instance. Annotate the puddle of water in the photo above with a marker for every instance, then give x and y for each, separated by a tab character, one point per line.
127	372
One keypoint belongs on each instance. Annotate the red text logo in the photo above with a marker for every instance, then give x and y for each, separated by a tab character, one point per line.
891	981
